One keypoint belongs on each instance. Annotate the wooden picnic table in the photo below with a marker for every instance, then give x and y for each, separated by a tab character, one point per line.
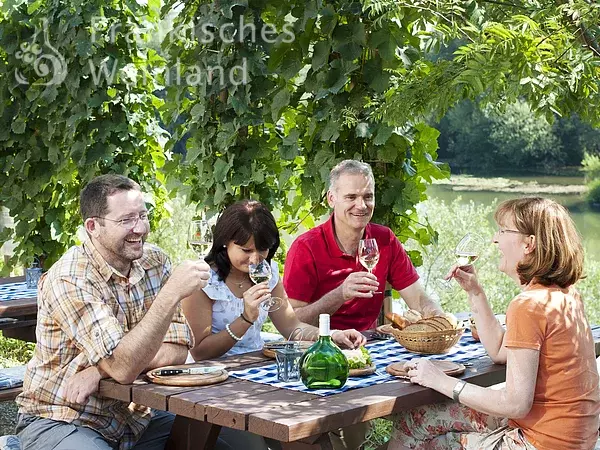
299	420
18	316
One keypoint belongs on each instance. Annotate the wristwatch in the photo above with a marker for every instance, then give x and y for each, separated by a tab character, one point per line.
460	385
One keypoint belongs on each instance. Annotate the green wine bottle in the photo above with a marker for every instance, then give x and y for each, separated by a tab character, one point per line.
323	365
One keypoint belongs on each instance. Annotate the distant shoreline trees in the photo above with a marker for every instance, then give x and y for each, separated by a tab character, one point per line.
483	140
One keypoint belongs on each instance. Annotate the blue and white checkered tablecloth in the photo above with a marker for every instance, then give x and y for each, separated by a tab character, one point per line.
12	377
383	353
12	291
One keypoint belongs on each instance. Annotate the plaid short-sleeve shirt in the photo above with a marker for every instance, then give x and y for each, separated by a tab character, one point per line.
85	307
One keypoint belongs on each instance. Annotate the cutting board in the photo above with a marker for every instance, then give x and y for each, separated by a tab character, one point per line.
448	367
184	379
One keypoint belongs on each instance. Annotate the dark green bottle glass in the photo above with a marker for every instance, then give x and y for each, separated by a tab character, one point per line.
323	365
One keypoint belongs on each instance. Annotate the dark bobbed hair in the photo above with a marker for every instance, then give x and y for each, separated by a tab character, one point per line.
93	200
238	223
558	254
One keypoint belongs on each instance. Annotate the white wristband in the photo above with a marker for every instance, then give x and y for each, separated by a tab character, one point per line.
233	336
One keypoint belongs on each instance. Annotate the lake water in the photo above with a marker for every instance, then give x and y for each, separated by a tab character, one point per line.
587	220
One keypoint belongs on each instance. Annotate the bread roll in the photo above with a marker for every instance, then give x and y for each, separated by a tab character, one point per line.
397	320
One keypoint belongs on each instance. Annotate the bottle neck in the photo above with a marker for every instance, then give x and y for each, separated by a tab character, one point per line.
324	329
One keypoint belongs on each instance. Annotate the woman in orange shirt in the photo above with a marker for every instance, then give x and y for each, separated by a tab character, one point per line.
551	397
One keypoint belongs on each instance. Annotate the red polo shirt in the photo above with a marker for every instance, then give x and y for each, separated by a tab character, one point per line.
315	265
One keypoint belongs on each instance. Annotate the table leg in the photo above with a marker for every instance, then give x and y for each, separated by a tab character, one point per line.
188	434
321	443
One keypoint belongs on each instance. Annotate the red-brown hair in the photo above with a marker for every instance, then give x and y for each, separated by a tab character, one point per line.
558	254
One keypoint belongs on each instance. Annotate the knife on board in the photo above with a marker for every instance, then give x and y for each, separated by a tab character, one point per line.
188	371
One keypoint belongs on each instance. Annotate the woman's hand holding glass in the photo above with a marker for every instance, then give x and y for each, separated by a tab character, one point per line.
467	252
253	298
466	277
260	273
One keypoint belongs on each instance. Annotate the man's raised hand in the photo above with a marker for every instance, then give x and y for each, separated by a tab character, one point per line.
188	277
359	284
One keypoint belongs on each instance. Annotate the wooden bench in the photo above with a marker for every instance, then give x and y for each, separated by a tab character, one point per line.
9	394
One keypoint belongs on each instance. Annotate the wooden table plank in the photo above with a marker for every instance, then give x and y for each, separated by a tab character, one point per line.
8	280
192	404
18	307
156	395
110	388
233	412
300	420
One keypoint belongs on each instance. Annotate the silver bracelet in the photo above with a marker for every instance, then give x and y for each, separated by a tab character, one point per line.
233	336
460	385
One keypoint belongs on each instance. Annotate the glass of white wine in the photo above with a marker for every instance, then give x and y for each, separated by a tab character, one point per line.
259	273
368	255
467	252
200	237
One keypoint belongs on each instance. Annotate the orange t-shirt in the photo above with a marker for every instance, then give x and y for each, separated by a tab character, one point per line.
566	401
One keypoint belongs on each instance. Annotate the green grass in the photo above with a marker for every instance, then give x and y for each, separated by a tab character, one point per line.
14	352
379	434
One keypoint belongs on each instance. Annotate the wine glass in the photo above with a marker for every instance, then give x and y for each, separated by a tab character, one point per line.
200	237
368	255
467	252
259	273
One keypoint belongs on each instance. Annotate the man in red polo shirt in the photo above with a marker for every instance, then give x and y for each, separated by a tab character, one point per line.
322	273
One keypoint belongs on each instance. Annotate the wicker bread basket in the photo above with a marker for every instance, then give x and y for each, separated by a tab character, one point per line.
429	342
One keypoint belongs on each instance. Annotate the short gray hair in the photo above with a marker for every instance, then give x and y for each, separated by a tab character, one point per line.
352	167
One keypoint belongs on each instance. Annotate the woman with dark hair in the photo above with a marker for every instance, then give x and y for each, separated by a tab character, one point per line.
551	398
225	316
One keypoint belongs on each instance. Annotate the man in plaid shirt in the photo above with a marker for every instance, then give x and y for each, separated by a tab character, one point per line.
107	308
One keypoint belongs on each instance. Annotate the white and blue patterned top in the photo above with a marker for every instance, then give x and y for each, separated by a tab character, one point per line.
227	307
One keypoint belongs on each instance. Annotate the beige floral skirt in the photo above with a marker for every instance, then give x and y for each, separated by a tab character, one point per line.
454	426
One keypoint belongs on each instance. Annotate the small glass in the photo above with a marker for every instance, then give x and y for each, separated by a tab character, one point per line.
467	252
259	273
32	276
288	363
368	255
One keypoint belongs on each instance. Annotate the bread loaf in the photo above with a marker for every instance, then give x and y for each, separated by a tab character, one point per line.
413	316
452	319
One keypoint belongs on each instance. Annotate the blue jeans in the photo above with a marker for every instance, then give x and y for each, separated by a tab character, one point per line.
37	433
